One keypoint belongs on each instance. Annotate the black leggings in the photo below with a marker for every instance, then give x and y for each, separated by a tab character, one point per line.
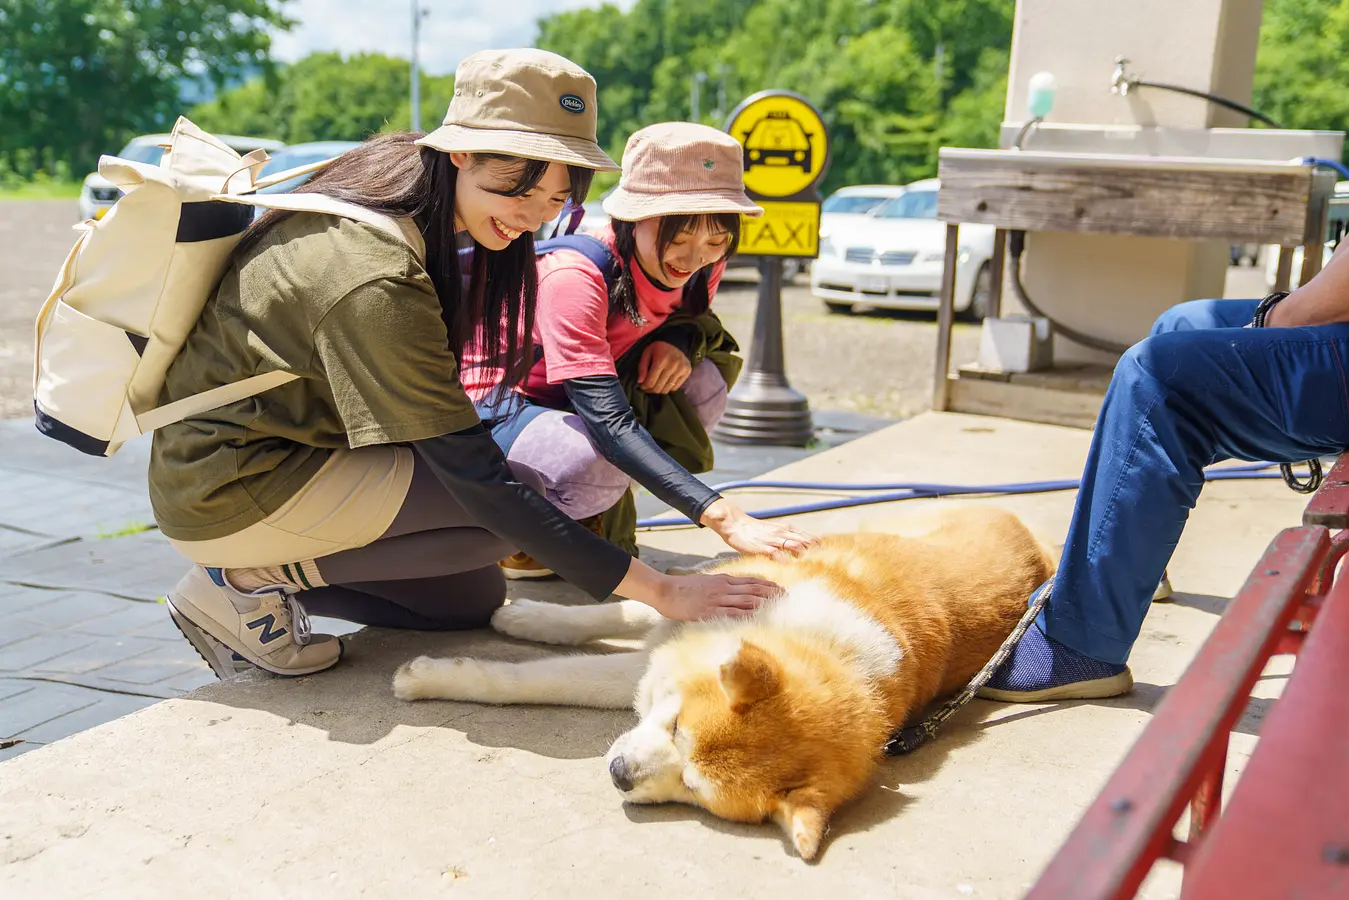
432	570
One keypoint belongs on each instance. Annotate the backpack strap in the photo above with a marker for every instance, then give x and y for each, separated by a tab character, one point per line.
592	248
604	259
186	408
402	228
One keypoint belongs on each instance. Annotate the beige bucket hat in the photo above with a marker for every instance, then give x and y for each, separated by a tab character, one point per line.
680	168
528	103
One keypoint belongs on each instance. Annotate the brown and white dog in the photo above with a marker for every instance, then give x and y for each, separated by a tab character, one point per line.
781	715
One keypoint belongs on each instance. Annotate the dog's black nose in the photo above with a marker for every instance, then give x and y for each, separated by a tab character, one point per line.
621	774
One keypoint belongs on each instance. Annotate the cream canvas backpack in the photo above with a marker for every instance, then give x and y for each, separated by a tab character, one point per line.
137	280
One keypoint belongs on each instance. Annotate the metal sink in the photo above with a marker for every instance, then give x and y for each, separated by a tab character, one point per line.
1152	141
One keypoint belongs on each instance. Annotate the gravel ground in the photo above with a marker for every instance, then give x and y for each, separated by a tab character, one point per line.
35	236
878	364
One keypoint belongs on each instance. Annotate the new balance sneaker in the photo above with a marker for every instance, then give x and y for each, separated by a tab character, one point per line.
1041	669
267	628
223	661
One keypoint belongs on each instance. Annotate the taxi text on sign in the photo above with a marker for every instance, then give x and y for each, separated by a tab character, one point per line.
785	229
786	152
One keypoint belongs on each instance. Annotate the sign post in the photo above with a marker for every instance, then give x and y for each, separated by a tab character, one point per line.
786	154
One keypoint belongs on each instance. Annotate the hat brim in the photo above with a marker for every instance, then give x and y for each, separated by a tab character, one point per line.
630	206
558	148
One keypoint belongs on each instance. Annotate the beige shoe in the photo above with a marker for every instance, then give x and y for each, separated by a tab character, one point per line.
224	662
1163	592
522	565
268	628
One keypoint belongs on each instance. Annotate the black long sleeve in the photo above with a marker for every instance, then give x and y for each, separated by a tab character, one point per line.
473	469
601	403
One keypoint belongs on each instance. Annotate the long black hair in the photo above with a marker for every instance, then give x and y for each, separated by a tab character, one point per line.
623	296
390	174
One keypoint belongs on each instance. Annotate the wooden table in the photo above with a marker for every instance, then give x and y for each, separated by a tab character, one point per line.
1240	201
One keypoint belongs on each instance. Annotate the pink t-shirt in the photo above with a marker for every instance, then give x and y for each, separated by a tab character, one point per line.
574	328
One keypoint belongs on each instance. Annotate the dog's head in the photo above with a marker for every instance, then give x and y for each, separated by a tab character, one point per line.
748	735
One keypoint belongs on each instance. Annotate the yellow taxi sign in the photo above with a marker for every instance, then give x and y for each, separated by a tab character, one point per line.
785	229
786	145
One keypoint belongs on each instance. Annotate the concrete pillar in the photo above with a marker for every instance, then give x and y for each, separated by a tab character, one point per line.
1107	286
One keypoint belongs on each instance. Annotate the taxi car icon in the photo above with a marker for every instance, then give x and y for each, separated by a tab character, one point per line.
778	140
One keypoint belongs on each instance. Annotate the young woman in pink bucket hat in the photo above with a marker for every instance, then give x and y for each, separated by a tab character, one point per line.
675	220
365	487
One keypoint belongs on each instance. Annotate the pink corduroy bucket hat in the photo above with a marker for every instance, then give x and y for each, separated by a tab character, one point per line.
680	168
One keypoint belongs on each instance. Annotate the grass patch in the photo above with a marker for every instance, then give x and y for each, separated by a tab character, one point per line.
41	190
124	531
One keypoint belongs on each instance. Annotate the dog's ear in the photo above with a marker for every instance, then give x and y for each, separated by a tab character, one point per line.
750	675
803	816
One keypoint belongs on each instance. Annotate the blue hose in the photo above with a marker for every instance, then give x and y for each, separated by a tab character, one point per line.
890	493
1328	163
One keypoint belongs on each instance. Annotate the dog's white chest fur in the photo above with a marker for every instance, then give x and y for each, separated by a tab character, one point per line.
812	606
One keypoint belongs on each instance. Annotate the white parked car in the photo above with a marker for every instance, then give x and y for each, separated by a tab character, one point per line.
892	259
850	204
98	195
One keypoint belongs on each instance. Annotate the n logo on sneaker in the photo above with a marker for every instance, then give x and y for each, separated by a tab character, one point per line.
267	623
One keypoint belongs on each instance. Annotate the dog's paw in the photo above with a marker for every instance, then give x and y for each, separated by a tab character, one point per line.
543	623
425	678
413	679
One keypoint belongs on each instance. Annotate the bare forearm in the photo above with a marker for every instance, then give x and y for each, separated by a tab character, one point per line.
1322	301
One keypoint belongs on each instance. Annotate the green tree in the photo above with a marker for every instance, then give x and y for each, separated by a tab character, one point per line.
893	79
325	97
79	77
1302	68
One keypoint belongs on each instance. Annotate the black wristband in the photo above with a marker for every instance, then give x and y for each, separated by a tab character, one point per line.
1262	309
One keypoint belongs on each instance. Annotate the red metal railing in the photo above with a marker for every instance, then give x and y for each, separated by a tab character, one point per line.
1293	793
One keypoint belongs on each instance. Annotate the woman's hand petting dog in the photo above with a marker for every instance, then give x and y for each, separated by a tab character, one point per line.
690	598
752	536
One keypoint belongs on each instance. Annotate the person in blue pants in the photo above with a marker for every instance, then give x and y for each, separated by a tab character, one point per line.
1202	388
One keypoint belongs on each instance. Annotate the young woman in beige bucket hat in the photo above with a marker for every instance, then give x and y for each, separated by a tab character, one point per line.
675	219
366	488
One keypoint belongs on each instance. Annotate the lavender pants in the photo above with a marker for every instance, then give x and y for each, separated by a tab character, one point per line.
556	450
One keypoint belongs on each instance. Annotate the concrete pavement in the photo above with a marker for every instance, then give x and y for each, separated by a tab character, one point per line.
328	787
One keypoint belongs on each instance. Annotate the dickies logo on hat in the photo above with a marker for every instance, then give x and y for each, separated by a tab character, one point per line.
524	102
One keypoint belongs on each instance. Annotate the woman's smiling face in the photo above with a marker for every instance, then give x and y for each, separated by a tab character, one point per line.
484	207
700	244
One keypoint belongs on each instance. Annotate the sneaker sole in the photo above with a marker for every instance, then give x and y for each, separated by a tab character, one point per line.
526	574
196	617
195	637
1097	689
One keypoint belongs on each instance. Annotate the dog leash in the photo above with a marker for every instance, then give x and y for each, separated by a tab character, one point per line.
911	737
1314	477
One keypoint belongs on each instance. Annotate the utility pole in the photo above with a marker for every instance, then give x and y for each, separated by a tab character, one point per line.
723	70
416	94
695	94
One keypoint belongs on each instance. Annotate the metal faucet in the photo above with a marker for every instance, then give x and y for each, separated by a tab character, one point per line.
1121	81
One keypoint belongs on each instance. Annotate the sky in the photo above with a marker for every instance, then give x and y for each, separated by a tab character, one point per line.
453	29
